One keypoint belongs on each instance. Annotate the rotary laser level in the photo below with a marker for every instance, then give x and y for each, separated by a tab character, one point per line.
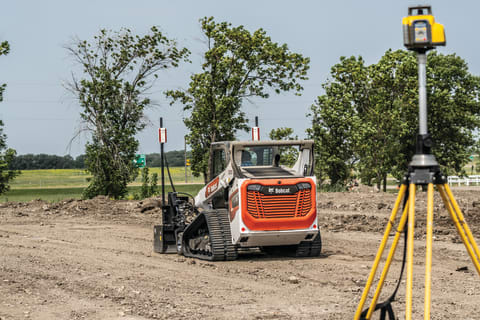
420	31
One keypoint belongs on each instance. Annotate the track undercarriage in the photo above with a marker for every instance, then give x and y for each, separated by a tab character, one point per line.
208	237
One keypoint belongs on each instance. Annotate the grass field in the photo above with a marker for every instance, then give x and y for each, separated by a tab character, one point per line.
59	184
59	194
64	178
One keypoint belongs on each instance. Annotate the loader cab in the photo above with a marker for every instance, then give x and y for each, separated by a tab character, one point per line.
268	159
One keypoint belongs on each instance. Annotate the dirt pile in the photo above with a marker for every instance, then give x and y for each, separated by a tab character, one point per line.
101	207
363	210
369	212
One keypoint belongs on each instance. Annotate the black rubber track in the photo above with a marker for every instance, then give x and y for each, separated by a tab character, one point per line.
218	226
310	248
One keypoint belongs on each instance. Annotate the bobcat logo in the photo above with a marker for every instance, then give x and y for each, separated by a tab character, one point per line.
279	190
212	187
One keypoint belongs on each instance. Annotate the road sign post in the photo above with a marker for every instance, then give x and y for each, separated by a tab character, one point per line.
256	131
162	137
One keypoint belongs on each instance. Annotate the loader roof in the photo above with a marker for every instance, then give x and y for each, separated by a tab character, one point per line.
304	143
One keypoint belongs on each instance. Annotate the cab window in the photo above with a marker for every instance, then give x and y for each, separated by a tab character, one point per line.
219	162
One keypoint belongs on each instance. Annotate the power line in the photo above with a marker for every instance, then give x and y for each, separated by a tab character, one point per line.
37	119
31	101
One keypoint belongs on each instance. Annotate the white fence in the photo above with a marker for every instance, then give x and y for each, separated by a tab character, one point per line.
470	180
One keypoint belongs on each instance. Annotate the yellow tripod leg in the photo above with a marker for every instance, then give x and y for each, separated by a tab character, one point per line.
428	258
390	256
411	231
378	257
458	225
461	219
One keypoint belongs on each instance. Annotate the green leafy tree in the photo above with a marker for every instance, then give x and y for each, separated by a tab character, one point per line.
384	117
334	121
145	189
6	154
454	110
118	70
367	118
238	64
288	155
149	186
42	161
175	158
154	184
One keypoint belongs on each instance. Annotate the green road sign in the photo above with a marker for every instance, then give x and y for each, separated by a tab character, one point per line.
140	161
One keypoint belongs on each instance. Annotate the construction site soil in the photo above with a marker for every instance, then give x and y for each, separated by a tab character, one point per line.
93	259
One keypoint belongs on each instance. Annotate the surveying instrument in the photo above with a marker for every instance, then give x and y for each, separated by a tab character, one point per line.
420	33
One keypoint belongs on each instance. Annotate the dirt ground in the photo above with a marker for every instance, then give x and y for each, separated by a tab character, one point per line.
93	260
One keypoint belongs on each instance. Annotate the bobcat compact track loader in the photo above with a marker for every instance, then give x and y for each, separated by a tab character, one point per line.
253	199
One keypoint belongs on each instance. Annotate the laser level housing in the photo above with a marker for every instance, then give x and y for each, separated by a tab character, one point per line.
420	31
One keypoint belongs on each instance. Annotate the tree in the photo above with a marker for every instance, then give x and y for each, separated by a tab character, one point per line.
118	68
385	116
334	121
237	65
6	155
79	162
149	186
174	158
288	155
367	118
46	161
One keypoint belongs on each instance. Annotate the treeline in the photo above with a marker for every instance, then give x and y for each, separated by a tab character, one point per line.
175	158
46	161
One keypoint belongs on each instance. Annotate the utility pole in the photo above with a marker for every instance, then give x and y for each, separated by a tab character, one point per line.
162	164
185	155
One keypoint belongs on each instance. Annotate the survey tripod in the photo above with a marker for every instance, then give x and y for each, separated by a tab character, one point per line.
423	170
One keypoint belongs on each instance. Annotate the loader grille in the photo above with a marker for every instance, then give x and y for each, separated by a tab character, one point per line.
260	205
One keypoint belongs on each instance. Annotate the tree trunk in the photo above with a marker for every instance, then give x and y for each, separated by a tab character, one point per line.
385	183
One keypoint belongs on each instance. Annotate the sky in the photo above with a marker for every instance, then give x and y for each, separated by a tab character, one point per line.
41	116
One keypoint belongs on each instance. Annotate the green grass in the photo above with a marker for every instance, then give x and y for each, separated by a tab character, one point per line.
178	175
59	184
59	194
50	194
56	178
50	178
187	188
